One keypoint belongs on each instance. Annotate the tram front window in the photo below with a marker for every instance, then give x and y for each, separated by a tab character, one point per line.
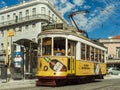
59	46
46	47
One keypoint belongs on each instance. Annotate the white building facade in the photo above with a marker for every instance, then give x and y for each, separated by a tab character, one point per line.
26	20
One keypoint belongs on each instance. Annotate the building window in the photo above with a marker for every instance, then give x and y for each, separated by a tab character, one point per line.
14	16
20	15
34	11
27	14
2	19
26	27
8	17
117	52
33	25
2	32
56	19
49	15
2	46
49	12
20	29
43	10
52	17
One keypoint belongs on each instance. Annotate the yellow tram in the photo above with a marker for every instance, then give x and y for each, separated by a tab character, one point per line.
66	55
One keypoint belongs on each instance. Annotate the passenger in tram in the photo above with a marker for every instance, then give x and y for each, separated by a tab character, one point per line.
69	51
59	52
96	57
92	57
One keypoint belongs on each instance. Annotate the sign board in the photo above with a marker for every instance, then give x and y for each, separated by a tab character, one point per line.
18	59
11	33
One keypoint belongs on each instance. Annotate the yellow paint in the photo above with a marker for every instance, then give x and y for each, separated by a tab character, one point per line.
9	33
77	67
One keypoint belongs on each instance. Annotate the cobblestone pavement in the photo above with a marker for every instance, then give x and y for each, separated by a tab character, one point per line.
14	84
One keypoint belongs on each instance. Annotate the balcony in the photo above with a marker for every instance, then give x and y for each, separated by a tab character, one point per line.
26	19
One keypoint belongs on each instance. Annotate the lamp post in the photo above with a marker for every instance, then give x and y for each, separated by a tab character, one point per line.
9	33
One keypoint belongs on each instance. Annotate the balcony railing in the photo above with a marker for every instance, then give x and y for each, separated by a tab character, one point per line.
26	19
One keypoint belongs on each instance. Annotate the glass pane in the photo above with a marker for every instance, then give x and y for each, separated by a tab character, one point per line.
59	46
92	53
88	52
83	51
71	48
46	46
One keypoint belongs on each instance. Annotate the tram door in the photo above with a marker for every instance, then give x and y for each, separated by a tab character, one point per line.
71	53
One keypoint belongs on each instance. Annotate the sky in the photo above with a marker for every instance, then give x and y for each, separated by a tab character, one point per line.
102	20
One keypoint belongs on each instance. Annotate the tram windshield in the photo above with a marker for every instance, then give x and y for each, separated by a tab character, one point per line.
57	47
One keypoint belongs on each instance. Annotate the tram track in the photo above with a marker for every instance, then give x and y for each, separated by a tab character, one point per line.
95	85
113	84
30	88
107	86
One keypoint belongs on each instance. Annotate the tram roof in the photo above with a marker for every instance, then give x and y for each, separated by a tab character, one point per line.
59	28
63	29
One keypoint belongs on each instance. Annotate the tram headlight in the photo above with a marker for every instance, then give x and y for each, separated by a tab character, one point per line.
45	68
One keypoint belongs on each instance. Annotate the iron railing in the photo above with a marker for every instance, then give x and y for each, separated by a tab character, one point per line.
18	20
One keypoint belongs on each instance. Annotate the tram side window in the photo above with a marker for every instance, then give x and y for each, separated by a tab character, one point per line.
92	53
88	52
46	46
59	46
102	58
83	54
100	55
96	54
71	48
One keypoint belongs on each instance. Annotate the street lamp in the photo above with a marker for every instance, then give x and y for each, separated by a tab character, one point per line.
9	33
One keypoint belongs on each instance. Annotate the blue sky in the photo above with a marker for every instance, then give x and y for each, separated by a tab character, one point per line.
102	21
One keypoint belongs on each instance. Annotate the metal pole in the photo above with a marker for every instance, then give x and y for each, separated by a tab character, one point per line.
6	48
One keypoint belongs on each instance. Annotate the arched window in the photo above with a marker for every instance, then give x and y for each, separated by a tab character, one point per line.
27	14
20	15
34	11
43	10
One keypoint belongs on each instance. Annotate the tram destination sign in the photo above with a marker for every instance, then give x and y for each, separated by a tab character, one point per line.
53	26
